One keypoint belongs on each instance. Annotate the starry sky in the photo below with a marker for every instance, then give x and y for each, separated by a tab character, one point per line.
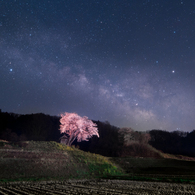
129	62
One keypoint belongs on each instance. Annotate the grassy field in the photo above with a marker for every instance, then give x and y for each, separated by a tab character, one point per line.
148	169
51	161
46	161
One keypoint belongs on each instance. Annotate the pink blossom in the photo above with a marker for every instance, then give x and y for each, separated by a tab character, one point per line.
77	127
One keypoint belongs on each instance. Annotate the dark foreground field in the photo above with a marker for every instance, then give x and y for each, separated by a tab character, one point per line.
96	186
53	168
164	170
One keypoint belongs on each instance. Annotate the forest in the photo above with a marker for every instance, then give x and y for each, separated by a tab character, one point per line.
111	142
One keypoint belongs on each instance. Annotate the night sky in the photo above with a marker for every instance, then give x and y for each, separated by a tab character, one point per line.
129	62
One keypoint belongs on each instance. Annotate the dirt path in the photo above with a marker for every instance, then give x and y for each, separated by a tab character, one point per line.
98	186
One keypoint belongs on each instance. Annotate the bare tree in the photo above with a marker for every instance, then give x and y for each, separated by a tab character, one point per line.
126	135
129	136
78	127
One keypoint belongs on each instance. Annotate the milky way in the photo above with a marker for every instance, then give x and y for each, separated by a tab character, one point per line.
127	62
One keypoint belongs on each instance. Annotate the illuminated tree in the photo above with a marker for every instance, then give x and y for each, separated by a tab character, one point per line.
78	127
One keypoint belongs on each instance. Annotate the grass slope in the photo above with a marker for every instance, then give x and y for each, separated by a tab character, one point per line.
35	161
51	160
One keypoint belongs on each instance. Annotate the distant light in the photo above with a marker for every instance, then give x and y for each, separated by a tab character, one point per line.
157	62
173	71
10	69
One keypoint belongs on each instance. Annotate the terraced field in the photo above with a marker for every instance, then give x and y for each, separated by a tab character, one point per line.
53	168
96	186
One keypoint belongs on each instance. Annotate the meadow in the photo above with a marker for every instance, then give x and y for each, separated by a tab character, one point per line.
38	160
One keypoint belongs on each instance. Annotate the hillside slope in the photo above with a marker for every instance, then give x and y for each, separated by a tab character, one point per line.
45	160
37	160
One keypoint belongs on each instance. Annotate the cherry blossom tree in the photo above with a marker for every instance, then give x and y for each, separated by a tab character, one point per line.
78	127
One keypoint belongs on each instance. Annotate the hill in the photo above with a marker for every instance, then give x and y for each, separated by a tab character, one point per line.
50	160
36	161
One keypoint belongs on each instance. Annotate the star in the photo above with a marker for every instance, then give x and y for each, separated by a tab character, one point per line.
100	64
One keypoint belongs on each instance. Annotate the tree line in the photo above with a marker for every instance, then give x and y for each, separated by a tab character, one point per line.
112	141
37	127
176	142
